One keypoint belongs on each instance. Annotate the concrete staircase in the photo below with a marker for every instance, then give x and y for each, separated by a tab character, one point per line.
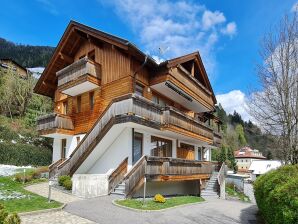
119	189
211	189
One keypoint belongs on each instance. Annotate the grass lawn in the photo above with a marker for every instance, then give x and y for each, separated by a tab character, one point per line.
152	205
22	200
231	192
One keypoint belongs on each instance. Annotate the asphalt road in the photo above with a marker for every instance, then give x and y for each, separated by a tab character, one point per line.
101	210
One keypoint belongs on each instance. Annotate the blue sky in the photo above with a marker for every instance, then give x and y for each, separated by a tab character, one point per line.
226	32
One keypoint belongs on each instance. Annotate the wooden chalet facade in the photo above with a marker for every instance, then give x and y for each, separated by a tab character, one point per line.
120	117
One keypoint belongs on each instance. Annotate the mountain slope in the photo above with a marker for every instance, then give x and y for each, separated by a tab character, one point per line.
26	55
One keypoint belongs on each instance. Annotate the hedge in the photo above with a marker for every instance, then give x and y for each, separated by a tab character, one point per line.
24	154
276	195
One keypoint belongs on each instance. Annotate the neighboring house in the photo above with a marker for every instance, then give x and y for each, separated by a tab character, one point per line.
259	167
121	117
9	64
245	156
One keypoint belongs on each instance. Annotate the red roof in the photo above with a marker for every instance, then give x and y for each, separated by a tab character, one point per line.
247	152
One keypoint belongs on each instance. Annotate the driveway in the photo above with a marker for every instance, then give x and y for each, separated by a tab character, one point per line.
101	210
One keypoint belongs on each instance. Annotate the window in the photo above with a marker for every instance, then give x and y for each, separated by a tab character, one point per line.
137	148
63	148
64	107
159	101
78	139
161	147
199	153
79	101
91	100
139	89
186	151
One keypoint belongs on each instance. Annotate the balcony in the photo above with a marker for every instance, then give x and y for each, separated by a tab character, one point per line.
184	88
179	122
166	169
54	124
79	77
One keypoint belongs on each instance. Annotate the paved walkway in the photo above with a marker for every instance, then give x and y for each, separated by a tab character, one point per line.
101	210
54	217
57	217
43	190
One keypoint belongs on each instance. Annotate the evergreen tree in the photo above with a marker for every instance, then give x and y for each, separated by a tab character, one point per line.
222	156
232	160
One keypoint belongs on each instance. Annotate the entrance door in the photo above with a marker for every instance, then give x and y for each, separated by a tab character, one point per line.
137	148
186	151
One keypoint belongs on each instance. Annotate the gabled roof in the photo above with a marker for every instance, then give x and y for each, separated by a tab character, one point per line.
194	56
13	61
76	33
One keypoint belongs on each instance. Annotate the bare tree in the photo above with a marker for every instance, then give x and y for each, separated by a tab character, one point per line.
275	106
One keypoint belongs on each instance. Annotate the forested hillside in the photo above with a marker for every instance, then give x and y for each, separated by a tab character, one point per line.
26	55
238	133
19	108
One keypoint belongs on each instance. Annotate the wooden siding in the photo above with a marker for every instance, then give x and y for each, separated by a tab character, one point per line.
117	69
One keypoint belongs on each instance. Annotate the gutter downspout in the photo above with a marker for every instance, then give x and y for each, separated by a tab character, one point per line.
135	73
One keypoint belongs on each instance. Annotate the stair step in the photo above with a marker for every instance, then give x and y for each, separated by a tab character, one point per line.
122	187
208	195
117	193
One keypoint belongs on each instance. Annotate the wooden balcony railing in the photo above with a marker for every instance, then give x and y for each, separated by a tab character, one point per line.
174	117
78	69
188	84
165	169
54	121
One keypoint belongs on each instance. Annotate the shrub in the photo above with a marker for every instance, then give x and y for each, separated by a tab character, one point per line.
67	184
12	219
20	177
24	154
159	198
3	215
276	195
63	178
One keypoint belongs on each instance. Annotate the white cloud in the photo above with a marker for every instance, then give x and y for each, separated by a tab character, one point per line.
180	26
295	7
210	19
234	100
49	6
230	29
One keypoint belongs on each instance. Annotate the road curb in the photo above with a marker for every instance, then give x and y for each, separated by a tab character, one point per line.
160	210
42	211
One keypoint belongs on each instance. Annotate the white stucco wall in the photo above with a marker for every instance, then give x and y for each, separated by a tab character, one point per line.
115	154
71	144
